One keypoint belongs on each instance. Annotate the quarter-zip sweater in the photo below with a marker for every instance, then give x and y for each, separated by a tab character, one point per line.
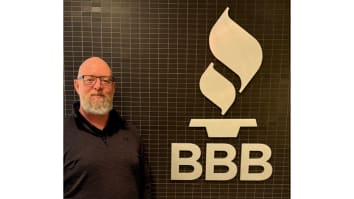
103	164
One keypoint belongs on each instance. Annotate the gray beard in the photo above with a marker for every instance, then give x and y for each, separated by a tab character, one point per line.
101	107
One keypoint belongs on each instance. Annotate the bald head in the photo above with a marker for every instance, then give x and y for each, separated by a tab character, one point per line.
96	92
95	66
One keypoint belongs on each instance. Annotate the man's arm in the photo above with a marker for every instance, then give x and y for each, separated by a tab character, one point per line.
145	176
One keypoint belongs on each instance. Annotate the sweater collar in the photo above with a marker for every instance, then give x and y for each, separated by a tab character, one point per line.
115	122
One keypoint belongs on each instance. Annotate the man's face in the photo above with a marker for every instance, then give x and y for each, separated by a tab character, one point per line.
95	98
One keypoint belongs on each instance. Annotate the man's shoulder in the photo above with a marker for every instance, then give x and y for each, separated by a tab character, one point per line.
131	128
130	125
69	125
69	121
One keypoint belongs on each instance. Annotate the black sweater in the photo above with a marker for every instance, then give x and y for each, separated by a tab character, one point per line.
103	164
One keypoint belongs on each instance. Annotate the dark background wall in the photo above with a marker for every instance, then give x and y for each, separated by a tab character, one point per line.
158	50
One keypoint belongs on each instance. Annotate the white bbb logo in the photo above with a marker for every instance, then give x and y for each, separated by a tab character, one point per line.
241	53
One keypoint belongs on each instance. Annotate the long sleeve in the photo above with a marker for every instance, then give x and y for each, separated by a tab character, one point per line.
146	180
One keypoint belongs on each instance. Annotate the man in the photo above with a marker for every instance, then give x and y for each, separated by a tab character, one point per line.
103	156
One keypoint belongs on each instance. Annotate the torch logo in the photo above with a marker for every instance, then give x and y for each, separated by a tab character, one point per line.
241	53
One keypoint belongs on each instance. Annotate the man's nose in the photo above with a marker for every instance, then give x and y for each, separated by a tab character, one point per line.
97	84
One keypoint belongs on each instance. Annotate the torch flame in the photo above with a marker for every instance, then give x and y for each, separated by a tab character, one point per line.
235	48
217	88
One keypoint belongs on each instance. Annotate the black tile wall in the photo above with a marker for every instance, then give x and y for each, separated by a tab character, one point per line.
158	50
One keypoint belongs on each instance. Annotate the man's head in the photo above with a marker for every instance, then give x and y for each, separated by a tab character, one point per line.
95	86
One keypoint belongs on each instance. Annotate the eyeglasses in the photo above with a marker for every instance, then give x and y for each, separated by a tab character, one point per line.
90	80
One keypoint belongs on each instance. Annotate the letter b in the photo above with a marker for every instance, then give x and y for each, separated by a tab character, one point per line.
246	162
176	161
211	162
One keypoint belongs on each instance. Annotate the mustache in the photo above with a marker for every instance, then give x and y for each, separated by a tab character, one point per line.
98	93
102	94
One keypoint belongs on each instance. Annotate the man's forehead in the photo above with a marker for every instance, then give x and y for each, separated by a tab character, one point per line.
95	65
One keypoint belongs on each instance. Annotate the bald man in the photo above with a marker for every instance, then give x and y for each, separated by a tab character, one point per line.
103	155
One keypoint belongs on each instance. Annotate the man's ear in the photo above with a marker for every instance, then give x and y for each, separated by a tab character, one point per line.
76	85
114	87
